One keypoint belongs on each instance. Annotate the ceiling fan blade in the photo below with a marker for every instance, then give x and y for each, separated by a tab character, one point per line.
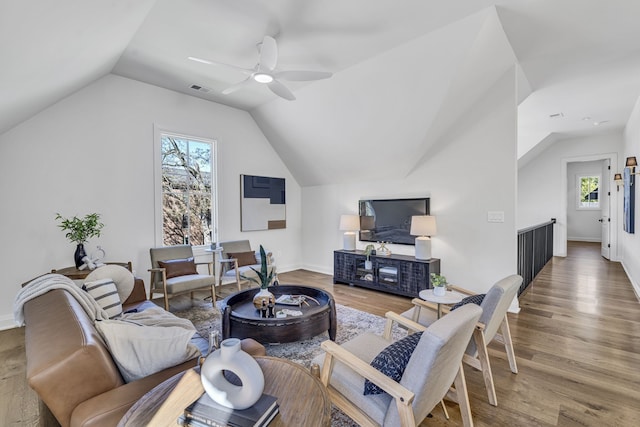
302	75
268	54
208	62
236	86
281	90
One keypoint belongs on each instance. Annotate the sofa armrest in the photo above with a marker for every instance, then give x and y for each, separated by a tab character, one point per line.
138	294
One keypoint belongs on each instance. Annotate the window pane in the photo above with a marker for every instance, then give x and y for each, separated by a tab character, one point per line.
589	191
187	173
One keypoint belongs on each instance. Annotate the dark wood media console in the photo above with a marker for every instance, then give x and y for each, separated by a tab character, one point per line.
396	274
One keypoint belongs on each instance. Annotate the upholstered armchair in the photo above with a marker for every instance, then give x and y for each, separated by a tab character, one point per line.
174	271
493	325
238	258
434	364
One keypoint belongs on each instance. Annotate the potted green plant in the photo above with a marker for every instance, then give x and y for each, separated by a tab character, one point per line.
368	250
439	284
79	231
264	279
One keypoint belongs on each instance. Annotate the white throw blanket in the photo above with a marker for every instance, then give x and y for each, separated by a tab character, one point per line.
44	284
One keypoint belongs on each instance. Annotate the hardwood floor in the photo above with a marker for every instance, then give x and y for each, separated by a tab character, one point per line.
576	338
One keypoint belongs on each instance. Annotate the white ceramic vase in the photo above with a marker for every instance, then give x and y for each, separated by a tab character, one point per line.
231	358
439	291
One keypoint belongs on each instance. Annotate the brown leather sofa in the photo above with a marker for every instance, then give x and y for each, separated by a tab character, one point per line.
70	367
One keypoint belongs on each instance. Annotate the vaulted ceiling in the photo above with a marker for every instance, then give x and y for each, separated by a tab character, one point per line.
403	72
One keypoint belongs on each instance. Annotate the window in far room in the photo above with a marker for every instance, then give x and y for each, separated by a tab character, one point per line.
188	192
588	192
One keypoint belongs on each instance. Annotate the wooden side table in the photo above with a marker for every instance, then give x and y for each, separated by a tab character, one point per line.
74	274
302	398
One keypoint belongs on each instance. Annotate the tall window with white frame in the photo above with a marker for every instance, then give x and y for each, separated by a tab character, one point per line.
588	192
188	190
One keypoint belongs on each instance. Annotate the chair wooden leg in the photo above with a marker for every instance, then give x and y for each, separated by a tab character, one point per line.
213	295
483	356
166	301
508	345
444	409
463	398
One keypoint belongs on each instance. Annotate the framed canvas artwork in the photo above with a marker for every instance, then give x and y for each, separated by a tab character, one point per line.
262	203
629	201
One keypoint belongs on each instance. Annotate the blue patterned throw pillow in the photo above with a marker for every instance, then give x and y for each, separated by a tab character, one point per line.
392	361
473	299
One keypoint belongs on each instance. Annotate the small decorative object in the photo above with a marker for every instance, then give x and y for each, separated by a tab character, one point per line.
231	358
94	261
383	250
439	284
79	231
368	251
264	280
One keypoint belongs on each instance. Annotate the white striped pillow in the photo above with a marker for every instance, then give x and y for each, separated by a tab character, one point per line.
105	292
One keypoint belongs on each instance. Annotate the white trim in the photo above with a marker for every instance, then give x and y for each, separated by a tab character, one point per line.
560	236
7	322
158	131
634	285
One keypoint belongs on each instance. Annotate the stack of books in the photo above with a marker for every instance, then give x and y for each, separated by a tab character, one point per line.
204	412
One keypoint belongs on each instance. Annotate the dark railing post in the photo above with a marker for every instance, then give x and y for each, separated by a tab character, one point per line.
535	249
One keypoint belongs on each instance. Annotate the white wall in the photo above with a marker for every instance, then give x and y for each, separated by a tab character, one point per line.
93	152
630	243
582	224
472	171
541	188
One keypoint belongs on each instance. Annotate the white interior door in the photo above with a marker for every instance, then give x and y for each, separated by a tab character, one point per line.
605	217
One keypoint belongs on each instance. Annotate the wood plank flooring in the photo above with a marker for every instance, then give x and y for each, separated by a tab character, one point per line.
576	338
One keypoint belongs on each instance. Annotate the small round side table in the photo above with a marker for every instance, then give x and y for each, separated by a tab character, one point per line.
449	298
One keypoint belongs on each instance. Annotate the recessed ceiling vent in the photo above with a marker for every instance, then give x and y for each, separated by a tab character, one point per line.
200	88
556	116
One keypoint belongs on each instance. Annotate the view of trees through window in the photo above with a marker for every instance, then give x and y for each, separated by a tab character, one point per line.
588	187
187	171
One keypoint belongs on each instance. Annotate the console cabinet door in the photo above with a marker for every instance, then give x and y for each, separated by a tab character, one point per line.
344	269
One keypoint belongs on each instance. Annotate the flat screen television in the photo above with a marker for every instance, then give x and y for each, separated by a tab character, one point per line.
389	220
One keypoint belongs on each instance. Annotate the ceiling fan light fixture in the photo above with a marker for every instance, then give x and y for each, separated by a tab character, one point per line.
263	77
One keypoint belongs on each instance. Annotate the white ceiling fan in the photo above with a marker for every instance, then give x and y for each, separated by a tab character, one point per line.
265	71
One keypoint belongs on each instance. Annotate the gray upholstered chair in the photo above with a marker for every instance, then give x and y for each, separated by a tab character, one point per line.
434	365
494	317
173	271
240	250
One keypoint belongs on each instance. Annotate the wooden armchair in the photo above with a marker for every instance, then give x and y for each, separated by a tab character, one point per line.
174	271
434	365
494	318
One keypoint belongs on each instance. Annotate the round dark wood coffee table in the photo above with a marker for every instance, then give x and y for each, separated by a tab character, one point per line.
240	319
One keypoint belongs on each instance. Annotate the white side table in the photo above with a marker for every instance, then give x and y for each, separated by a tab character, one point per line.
449	298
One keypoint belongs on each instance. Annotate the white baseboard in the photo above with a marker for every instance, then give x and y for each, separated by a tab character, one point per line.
7	322
585	239
318	269
634	285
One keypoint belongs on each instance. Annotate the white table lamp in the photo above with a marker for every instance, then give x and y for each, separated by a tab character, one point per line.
349	224
423	226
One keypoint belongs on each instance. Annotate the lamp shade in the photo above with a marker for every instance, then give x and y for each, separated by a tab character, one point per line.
423	225
632	162
349	222
617	177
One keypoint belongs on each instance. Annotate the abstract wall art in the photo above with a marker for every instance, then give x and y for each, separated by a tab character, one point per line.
262	203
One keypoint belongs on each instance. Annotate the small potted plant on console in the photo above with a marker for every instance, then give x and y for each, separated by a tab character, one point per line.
439	284
368	251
